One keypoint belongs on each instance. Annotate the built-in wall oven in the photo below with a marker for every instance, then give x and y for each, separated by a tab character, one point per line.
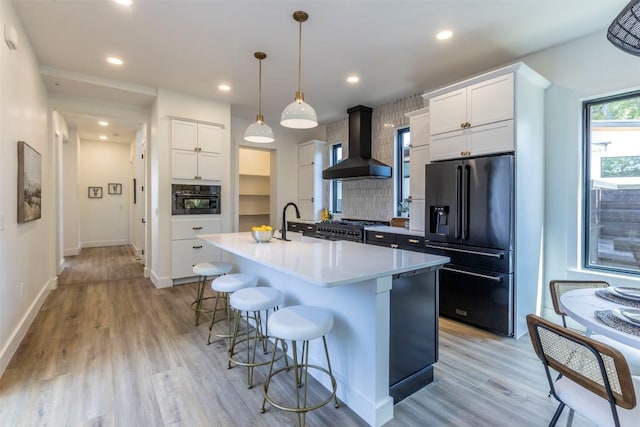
190	199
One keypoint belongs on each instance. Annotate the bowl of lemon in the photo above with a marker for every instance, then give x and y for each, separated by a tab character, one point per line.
262	233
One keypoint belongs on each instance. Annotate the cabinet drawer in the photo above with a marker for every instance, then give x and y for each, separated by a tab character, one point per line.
375	237
183	228
412	243
186	253
295	226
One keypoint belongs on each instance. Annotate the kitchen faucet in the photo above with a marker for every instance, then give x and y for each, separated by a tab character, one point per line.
284	219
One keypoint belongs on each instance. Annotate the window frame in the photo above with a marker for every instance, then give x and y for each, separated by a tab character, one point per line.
586	183
333	188
399	150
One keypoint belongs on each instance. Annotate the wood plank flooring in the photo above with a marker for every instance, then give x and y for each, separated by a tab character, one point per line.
108	349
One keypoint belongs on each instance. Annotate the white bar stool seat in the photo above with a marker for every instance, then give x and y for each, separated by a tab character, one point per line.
250	303
300	323
205	270
226	285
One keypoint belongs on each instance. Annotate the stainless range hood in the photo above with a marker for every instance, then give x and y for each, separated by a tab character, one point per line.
359	164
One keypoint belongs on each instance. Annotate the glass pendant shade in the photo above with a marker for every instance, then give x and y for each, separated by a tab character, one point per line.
259	132
299	115
624	31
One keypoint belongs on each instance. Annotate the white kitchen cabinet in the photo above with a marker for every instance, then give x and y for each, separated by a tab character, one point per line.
418	159
310	191
416	215
196	151
488	101
419	127
186	249
473	120
476	141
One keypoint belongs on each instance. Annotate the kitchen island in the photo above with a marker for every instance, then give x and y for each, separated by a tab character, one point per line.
354	281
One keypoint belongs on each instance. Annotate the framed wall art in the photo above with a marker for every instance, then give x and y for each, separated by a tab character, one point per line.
115	188
29	183
95	192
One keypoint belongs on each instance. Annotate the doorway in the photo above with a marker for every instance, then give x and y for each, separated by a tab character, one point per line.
255	187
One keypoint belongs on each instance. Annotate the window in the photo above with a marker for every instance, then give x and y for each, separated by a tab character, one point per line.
403	144
612	183
336	185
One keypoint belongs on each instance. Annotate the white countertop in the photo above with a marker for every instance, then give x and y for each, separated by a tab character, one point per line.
394	230
323	262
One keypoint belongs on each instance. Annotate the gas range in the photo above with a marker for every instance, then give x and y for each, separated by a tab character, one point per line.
344	229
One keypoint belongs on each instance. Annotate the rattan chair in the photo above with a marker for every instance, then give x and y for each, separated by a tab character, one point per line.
559	287
595	381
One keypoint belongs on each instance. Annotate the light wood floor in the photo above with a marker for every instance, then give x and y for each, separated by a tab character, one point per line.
108	349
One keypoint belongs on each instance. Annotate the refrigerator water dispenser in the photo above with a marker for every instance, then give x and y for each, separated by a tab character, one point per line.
439	219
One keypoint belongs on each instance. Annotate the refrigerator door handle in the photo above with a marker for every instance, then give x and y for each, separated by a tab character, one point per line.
466	173
484	276
466	251
458	223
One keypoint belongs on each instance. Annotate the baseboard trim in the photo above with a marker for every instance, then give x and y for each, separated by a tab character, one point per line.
100	243
23	326
160	282
60	266
73	251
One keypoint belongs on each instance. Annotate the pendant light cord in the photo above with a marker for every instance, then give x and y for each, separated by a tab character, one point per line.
299	55
260	89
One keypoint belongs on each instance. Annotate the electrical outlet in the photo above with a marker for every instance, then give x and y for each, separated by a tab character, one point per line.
22	289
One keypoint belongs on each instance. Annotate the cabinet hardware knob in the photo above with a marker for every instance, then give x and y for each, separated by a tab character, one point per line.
197	247
197	228
414	241
462	125
312	199
379	236
393	245
462	153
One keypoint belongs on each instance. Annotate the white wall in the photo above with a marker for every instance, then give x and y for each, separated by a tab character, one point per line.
27	251
285	172
586	68
71	194
104	221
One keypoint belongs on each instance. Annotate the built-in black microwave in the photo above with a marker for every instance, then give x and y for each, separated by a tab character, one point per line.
195	199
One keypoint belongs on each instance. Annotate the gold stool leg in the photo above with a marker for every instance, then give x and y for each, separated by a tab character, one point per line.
199	295
213	317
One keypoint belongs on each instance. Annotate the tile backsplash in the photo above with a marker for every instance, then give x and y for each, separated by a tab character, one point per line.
373	198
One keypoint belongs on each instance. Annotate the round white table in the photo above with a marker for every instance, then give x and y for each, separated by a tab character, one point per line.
580	305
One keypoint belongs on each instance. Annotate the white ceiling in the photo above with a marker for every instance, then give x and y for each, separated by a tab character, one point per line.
192	46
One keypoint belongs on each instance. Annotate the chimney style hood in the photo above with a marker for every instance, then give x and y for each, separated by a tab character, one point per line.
359	164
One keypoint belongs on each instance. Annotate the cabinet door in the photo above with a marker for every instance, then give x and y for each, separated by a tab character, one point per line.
209	166
305	182
492	138
448	112
306	154
184	164
491	101
306	207
419	128
419	158
210	138
184	135
186	253
448	145
416	215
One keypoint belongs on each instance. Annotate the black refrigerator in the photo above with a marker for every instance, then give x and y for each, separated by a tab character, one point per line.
470	218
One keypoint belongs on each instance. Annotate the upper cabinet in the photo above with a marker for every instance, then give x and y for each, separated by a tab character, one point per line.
310	191
196	150
486	102
419	127
478	116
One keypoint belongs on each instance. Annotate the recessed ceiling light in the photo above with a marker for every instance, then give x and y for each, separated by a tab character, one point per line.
444	35
124	2
353	79
115	61
224	88
103	123
102	137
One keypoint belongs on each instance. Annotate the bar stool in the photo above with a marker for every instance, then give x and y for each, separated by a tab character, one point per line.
226	285
251	302
206	270
300	323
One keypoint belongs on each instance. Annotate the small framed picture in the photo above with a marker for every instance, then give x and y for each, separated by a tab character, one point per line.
95	192
115	188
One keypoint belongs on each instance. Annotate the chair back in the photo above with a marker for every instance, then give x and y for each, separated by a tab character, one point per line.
559	287
597	367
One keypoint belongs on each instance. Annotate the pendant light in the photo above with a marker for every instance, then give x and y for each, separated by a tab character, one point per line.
299	114
624	31
259	131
